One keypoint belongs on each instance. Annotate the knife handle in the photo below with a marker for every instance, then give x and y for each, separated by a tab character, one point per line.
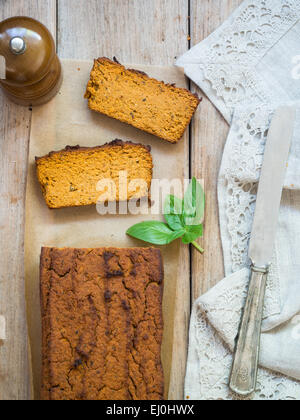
245	365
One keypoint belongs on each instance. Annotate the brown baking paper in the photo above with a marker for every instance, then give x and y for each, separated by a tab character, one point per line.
66	120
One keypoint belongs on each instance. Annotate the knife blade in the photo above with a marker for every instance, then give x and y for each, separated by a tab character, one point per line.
269	194
245	365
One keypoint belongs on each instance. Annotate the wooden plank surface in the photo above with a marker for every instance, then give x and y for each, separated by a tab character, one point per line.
14	136
136	32
209	133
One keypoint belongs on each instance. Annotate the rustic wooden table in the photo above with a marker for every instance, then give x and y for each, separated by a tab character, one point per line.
135	31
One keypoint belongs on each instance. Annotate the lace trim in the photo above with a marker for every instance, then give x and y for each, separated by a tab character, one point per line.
240	174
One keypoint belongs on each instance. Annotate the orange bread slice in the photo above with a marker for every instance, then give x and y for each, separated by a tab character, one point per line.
134	98
71	176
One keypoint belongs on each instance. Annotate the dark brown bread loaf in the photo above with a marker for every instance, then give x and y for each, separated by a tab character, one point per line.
102	324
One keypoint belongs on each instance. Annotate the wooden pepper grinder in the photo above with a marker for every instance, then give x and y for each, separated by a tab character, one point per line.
33	70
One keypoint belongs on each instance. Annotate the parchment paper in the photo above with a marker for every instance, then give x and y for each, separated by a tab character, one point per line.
66	120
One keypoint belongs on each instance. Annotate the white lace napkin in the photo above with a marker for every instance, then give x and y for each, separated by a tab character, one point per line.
247	68
2	67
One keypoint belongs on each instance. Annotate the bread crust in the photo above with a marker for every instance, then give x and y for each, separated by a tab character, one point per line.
116	142
102	324
101	59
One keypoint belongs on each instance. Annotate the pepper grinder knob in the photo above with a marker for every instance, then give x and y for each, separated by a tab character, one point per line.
17	45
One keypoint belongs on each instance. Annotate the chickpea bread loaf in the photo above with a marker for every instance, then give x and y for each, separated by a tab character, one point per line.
71	176
102	324
132	97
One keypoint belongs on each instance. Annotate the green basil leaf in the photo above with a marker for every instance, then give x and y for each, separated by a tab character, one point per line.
156	233
173	212
192	233
194	204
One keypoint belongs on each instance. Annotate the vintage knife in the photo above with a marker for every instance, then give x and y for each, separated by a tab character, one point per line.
244	371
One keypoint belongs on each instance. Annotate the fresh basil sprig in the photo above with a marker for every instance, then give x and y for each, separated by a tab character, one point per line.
184	220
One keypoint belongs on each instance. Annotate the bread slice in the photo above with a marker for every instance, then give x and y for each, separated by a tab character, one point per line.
102	324
71	176
134	98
